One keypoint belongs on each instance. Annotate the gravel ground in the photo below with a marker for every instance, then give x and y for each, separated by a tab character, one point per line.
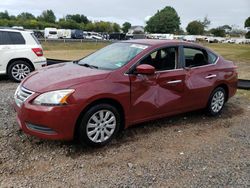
189	150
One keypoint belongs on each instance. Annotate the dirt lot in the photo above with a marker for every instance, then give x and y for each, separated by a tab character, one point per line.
189	150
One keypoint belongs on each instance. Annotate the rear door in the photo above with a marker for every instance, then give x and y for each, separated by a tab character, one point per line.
201	75
10	43
5	46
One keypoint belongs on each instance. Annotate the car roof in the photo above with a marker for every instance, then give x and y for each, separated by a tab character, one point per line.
14	30
161	42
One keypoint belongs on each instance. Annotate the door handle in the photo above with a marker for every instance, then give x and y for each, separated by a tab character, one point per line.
211	76
174	82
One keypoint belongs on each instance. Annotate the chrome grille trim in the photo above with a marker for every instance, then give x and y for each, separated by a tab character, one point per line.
21	95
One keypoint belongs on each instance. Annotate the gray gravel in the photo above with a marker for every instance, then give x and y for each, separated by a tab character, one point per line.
189	150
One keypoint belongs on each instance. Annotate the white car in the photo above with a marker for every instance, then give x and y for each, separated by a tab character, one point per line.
20	53
50	33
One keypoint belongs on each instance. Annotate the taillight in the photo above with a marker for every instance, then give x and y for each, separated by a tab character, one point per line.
38	51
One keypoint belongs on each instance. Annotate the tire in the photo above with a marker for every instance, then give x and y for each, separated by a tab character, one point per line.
95	131
18	70
216	101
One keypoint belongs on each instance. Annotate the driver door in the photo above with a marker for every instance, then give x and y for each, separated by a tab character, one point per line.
161	93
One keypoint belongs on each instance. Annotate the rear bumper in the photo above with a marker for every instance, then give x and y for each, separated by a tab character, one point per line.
39	62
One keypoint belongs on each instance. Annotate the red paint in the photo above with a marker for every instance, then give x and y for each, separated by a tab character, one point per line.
142	96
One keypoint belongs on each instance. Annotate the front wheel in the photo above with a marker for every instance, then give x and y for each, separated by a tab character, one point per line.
99	125
216	101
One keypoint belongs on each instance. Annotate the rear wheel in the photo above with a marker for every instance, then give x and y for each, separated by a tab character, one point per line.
216	101
19	70
99	125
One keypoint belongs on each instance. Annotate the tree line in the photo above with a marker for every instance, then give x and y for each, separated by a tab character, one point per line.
48	19
166	20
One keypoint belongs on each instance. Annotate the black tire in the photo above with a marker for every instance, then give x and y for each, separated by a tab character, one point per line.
211	107
13	65
83	127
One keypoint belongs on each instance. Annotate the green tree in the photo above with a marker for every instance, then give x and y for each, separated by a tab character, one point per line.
218	32
164	21
77	18
206	22
248	35
195	28
4	15
47	16
68	24
126	26
116	27
247	22
26	16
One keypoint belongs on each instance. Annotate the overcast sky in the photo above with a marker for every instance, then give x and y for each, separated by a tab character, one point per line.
220	12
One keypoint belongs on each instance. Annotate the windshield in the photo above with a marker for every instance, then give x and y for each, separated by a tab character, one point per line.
113	56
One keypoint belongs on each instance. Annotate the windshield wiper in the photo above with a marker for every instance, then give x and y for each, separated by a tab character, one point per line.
89	66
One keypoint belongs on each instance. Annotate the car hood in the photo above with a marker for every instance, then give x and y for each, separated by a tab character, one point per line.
61	76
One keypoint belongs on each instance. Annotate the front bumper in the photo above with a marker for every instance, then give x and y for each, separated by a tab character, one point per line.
56	123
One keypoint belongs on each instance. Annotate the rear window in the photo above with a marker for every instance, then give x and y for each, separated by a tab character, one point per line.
53	32
11	38
34	37
212	58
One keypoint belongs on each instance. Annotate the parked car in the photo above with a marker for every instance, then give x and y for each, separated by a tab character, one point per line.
77	34
121	85
20	53
50	33
64	33
94	36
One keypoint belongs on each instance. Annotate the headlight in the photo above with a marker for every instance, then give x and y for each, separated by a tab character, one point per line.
53	97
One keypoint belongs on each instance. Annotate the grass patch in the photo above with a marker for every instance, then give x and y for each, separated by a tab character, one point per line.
54	46
244	93
233	52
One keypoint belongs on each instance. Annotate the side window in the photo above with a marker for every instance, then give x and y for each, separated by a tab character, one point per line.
11	38
212	58
195	57
163	59
16	38
4	38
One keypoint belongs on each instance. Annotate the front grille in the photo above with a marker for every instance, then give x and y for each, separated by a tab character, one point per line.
21	95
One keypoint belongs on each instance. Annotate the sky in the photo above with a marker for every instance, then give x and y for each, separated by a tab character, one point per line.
219	12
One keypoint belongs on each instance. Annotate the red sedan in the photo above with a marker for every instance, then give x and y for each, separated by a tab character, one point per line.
121	85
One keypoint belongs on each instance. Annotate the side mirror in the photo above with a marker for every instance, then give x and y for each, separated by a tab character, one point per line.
145	69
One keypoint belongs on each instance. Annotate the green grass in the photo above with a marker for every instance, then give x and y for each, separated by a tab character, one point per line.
53	46
233	52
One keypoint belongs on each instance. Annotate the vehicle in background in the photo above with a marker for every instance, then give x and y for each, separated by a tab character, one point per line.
20	53
230	41
123	84
64	33
189	38
18	27
77	34
50	33
117	36
39	34
94	35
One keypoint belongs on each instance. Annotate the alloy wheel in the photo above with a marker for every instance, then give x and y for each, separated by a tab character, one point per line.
217	101
101	126
20	71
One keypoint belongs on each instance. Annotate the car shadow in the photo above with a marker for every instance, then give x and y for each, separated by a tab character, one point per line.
4	78
74	149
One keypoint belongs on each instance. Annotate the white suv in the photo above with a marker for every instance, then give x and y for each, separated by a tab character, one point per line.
20	53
